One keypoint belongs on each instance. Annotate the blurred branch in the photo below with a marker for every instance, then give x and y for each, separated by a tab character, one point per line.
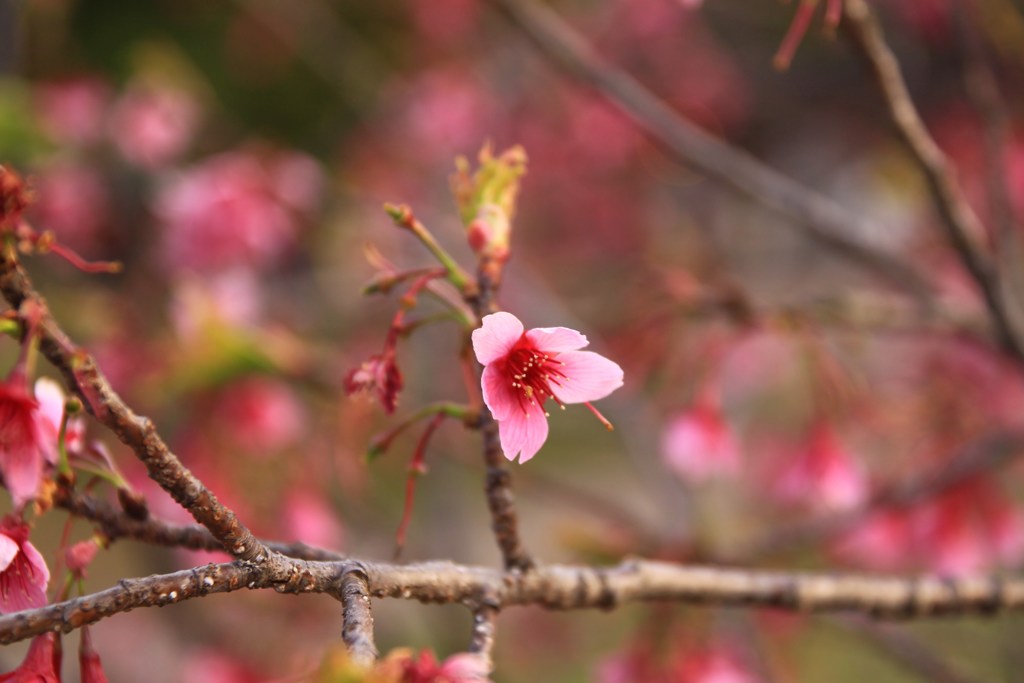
816	215
116	524
358	629
904	648
983	92
962	227
560	587
981	456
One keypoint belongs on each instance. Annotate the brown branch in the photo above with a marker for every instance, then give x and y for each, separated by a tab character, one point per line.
961	225
559	587
485	618
358	628
115	524
905	649
498	481
815	215
84	377
984	455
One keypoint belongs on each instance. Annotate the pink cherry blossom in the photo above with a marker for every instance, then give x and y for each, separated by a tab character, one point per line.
41	664
699	444
23	571
463	667
73	202
523	369
26	441
880	543
823	473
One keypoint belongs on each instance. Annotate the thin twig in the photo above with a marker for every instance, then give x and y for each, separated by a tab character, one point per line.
815	215
962	227
358	629
559	587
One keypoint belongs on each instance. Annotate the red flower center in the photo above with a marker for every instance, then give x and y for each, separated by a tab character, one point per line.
532	374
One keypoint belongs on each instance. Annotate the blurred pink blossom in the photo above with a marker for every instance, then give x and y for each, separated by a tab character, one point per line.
463	667
523	369
235	209
715	665
26	438
883	542
23	571
72	111
823	473
261	415
232	298
41	664
51	407
446	111
699	444
969	530
152	127
309	519
72	201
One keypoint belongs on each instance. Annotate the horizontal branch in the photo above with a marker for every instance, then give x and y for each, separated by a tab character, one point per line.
552	587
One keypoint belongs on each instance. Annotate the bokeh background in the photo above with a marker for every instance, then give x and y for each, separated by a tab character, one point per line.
235	156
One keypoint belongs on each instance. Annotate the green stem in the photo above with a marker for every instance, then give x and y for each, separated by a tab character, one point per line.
403	217
381	443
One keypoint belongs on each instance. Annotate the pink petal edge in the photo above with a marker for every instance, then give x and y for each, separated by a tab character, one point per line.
496	336
557	339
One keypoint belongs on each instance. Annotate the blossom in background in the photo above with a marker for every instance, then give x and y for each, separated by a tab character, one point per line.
73	202
23	571
261	416
463	667
823	473
238	209
152	126
41	664
523	369
715	665
882	542
72	111
26	442
308	518
699	444
969	530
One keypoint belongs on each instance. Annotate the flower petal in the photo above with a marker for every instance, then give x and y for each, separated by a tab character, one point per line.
23	472
523	432
41	572
588	377
51	403
556	339
8	549
497	390
497	335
